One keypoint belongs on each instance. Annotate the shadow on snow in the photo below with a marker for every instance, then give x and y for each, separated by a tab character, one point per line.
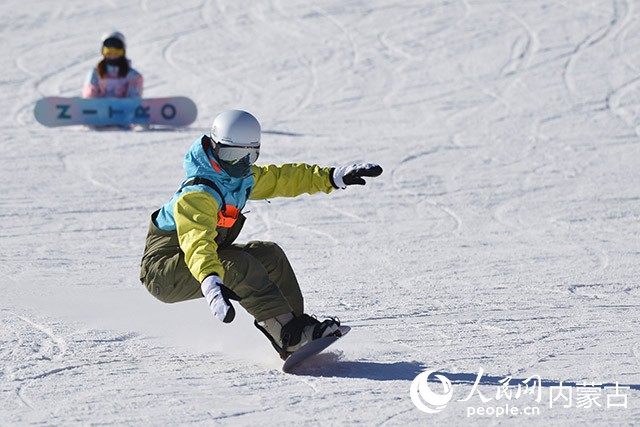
330	365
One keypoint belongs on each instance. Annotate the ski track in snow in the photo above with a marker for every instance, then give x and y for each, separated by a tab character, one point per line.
503	234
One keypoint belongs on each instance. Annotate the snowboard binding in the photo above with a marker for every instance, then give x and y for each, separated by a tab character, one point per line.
300	328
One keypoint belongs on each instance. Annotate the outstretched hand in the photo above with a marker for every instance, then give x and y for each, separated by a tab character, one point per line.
353	174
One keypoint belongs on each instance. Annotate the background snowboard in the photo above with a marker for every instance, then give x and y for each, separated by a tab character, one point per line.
314	347
61	111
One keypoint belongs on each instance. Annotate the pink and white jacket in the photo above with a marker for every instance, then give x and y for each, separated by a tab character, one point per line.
113	86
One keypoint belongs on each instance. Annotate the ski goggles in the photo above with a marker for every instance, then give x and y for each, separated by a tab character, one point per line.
234	154
112	51
236	160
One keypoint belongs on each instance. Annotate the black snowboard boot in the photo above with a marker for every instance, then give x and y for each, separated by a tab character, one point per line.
288	333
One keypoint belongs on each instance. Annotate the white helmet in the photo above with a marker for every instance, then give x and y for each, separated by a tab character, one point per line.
236	141
115	35
236	128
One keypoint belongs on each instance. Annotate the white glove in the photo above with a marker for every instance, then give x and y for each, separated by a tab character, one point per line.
353	173
212	289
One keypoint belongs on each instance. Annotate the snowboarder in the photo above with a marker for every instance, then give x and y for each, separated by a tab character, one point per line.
189	251
113	77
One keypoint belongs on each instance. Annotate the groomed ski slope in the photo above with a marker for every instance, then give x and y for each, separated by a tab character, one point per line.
503	237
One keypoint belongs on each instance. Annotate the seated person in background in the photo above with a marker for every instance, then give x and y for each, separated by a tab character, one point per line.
113	77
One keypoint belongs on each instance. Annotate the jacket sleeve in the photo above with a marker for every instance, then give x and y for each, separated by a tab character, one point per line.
135	84
290	180
91	88
196	216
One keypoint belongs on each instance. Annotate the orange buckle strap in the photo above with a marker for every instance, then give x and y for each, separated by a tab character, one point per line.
228	217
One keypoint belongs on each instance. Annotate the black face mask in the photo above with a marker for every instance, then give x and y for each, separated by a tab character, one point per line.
117	62
239	169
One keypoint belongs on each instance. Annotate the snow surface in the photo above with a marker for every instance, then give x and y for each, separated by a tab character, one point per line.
503	235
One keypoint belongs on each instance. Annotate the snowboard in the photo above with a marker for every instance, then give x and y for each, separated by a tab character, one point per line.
59	111
314	347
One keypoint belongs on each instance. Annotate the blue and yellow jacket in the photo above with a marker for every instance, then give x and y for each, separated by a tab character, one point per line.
196	212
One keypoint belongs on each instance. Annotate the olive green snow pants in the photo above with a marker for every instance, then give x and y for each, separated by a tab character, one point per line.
258	273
